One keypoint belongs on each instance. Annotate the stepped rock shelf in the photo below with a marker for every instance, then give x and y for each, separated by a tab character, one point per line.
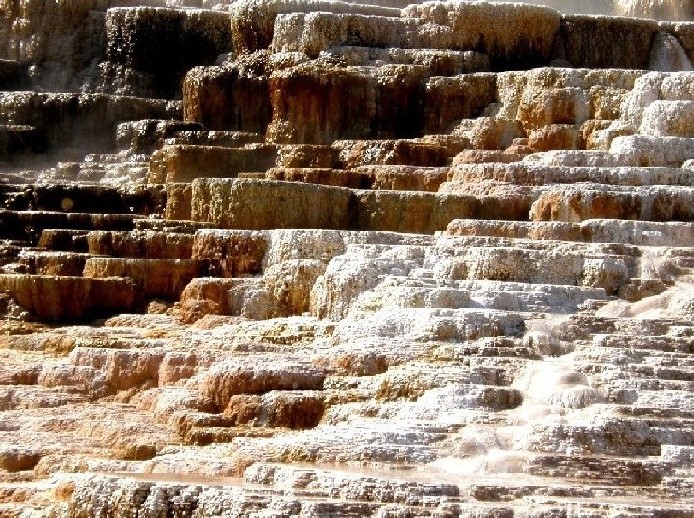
276	258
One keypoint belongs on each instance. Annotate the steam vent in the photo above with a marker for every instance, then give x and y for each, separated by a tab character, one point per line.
321	258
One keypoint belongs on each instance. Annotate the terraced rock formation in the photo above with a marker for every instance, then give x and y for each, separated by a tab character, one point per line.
318	258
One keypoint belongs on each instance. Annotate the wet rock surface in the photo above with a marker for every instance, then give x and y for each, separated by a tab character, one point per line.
323	258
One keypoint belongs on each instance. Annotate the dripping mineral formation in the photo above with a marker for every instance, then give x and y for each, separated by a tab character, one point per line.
319	258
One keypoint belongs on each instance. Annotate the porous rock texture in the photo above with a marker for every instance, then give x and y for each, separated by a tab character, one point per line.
323	258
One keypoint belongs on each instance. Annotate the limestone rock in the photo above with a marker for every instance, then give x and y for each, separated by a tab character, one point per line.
61	40
178	201
69	298
227	99
668	119
569	95
658	9
84	199
205	296
163	278
183	163
215	138
224	381
588	158
27	226
52	263
389	101
498	30
239	253
68	119
653	87
160	45
354	272
642	233
355	153
450	99
122	369
668	151
407	178
410	212
253	21
380	260
290	283
140	244
294	409
308	156
440	62
145	136
79	378
528	173
553	106
651	204
13	460
297	93
606	42
238	204
322	176
314	32
490	132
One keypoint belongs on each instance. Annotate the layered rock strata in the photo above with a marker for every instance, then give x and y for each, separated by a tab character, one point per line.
321	258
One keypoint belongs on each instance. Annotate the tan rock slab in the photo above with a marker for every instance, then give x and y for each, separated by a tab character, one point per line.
56	298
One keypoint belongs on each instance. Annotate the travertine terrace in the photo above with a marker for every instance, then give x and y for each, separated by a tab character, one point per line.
275	258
